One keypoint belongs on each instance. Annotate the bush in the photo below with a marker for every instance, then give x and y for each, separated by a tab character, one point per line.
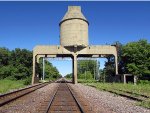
11	78
86	75
143	82
86	81
27	81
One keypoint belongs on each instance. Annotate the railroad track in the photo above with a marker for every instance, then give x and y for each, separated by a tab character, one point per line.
9	97
65	100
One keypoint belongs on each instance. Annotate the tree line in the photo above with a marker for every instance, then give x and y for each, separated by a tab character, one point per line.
133	58
51	72
17	65
87	69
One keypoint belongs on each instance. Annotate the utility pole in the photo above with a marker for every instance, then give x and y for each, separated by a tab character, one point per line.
98	69
43	67
85	74
94	71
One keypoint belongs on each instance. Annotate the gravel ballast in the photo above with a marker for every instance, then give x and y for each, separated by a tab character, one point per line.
100	101
31	102
104	102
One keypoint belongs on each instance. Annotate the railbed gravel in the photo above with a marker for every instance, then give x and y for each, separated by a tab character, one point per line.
100	101
105	102
31	102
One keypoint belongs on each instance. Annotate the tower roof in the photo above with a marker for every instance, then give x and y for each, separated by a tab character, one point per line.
74	12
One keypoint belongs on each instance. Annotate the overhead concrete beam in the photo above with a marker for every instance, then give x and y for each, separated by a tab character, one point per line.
53	51
98	50
93	50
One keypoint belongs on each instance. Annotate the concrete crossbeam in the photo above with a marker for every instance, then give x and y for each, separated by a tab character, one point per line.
54	51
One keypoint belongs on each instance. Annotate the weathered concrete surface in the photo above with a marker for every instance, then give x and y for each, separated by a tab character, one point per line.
74	28
55	51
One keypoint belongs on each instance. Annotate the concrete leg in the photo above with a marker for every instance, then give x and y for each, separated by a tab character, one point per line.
35	76
74	69
34	72
135	79
116	64
124	78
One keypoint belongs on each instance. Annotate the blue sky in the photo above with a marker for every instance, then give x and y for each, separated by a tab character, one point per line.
27	24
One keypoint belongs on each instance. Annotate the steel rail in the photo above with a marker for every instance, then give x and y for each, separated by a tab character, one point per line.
2	95
14	98
78	103
54	95
51	100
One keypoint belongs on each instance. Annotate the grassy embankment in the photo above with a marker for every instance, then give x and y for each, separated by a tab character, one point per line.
135	91
7	85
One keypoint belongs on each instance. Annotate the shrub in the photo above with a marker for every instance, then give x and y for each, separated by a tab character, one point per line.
143	82
27	81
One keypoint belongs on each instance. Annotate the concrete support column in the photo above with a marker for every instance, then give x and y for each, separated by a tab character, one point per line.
116	64
35	77
34	70
74	69
124	78
135	79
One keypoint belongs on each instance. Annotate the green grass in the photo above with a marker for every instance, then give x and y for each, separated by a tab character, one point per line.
120	88
135	89
145	103
7	85
86	81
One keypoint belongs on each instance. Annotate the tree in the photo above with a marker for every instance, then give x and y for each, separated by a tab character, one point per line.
102	75
21	59
87	69
69	75
136	58
15	64
51	72
5	72
110	64
4	56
